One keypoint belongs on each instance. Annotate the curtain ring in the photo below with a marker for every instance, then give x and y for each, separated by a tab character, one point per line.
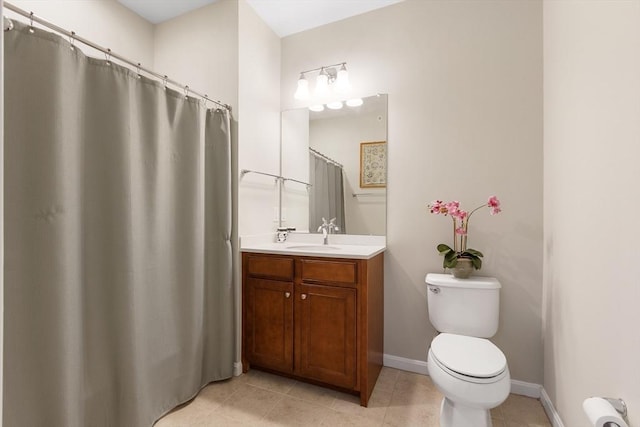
138	70
7	24
205	99
72	40
31	29
164	82
186	92
107	56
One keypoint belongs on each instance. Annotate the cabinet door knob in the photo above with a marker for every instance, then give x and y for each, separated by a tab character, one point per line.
303	296
287	294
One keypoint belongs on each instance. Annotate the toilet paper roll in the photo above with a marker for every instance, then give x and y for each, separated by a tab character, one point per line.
600	412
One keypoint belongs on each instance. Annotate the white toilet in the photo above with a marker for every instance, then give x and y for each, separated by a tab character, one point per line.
465	366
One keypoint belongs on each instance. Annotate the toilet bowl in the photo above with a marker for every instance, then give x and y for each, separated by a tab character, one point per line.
472	374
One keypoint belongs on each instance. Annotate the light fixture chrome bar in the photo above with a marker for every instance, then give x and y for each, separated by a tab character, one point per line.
367	194
110	54
322	156
243	172
324	66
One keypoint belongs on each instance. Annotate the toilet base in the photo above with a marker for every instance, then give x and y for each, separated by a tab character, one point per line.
457	415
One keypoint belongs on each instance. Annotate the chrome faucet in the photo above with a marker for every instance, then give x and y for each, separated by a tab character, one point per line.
327	228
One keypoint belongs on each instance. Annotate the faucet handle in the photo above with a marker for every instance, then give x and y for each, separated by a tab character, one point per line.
333	221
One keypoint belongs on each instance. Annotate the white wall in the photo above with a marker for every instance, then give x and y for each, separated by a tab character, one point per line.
464	81
295	165
107	23
339	138
200	49
259	121
591	174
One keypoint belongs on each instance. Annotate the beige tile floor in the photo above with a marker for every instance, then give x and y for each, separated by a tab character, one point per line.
399	399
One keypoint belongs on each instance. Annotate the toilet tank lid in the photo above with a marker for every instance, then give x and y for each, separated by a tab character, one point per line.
447	280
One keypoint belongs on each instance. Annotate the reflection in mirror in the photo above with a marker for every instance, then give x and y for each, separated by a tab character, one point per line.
342	153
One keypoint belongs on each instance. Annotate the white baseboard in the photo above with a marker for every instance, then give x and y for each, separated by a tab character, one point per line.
526	389
404	364
237	369
420	367
552	414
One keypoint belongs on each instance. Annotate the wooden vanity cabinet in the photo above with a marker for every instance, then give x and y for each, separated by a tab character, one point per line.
269	323
326	327
315	319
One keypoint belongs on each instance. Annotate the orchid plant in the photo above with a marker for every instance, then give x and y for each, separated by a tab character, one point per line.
460	231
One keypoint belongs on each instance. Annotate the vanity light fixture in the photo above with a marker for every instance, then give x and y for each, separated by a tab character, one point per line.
322	84
342	80
335	105
317	108
330	78
356	102
303	88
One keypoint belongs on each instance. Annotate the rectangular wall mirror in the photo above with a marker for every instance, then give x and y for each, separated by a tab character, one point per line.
342	154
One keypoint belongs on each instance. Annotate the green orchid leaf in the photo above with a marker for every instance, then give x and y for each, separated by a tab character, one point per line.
450	263
450	259
474	252
477	263
442	248
450	256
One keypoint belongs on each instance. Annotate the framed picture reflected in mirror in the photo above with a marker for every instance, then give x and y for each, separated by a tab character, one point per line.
373	164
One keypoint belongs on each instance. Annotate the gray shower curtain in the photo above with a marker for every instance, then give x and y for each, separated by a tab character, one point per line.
326	195
118	288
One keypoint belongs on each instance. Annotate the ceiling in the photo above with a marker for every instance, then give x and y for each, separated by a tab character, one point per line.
285	17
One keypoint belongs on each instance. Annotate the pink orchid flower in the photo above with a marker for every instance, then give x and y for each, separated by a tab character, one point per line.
460	214
437	207
452	207
494	204
461	220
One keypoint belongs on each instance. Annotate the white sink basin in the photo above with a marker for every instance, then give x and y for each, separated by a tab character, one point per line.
318	248
310	245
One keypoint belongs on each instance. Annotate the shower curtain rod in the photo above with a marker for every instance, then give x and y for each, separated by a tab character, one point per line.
243	172
323	157
109	54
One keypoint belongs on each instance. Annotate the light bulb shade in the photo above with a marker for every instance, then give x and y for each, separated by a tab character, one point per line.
317	108
303	88
342	80
322	84
335	105
356	102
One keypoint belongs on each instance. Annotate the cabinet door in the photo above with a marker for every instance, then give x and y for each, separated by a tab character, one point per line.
326	334
269	324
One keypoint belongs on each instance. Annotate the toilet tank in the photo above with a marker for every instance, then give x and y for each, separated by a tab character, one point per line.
463	306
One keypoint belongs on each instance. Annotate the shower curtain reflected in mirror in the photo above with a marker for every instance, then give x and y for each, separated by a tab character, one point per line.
326	195
118	288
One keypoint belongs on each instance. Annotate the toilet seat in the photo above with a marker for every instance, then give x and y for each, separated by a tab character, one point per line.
470	359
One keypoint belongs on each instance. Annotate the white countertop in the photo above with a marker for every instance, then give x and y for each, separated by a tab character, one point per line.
304	244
